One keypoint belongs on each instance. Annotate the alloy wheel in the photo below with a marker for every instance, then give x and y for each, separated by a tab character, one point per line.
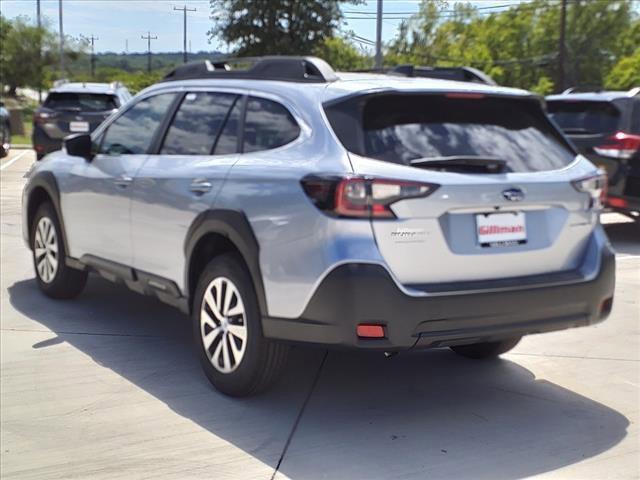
223	326
46	250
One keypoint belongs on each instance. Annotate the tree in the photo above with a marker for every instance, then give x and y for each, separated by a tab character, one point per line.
276	27
20	60
625	74
519	46
341	54
26	51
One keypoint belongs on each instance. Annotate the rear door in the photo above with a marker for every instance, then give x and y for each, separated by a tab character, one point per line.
182	177
505	205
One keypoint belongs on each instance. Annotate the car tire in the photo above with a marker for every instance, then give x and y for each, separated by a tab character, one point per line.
54	277
487	349
227	331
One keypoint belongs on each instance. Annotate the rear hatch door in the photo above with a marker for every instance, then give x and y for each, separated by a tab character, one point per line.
505	206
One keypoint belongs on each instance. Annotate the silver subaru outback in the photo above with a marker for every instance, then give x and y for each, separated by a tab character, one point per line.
287	203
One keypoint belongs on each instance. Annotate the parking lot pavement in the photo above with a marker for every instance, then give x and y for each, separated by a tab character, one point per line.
106	387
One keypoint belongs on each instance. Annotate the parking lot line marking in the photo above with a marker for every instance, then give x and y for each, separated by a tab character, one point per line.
14	160
626	257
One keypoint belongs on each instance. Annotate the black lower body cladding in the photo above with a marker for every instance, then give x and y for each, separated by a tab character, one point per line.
365	293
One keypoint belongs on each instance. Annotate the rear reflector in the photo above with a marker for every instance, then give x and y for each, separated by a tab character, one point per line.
365	330
617	202
605	307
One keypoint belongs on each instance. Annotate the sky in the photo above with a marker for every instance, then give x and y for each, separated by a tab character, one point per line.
120	24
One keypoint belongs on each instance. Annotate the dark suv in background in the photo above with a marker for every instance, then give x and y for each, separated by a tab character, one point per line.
74	108
605	127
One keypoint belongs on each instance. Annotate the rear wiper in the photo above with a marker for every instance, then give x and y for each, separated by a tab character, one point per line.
71	109
462	164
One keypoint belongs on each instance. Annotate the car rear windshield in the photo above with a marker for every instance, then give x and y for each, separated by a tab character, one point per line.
80	102
585	117
409	128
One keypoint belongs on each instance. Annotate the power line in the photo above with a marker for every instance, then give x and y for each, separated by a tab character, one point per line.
184	10
148	38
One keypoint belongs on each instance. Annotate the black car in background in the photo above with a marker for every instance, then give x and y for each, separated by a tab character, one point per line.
74	108
605	127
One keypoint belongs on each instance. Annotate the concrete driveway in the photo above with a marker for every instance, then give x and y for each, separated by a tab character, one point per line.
106	386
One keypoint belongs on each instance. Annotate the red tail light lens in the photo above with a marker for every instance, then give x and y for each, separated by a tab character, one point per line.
359	197
620	145
595	186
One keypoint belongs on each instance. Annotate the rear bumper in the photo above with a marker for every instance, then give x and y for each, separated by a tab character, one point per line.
365	293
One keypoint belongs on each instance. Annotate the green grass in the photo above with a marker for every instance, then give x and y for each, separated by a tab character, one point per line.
24	139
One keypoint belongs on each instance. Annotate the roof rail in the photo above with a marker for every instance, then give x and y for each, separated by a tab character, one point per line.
461	74
281	68
116	84
569	90
634	92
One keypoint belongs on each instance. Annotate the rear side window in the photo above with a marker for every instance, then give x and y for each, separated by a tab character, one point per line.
268	125
197	123
585	117
132	132
81	102
418	128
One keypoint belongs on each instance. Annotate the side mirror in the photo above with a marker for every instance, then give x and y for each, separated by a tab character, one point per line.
79	145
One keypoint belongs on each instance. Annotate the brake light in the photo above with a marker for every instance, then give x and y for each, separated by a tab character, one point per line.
620	145
595	186
360	197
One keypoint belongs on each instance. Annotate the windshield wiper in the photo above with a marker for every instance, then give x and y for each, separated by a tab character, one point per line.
462	164
71	109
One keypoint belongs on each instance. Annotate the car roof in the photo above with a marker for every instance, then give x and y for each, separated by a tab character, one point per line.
88	87
347	84
602	96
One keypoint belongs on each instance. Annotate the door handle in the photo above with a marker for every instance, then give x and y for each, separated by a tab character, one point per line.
200	186
123	181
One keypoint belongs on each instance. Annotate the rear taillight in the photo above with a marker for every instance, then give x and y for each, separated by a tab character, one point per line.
359	197
620	145
595	186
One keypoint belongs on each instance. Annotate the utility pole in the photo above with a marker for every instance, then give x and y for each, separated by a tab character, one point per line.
148	38
561	46
39	52
92	39
61	39
184	10
379	36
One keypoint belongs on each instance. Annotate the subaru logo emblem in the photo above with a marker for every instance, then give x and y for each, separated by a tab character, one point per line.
513	195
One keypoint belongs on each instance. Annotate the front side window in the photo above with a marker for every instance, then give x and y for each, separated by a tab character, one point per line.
268	125
132	132
197	123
